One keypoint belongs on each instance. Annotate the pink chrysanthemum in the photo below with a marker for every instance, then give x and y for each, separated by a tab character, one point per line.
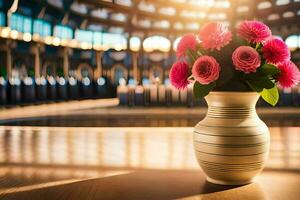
289	75
206	69
254	31
246	59
276	51
179	74
214	36
188	41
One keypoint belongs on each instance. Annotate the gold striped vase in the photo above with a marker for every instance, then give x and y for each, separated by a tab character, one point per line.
231	143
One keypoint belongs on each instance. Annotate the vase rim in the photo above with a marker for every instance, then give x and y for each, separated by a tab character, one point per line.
233	92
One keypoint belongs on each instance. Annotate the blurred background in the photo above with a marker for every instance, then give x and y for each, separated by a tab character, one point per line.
61	50
85	98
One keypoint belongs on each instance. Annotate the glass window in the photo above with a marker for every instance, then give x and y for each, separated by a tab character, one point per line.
41	27
27	25
115	41
156	43
175	43
63	32
97	38
135	43
292	42
2	19
84	36
20	23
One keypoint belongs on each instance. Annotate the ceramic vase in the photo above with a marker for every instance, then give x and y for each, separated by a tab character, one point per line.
231	143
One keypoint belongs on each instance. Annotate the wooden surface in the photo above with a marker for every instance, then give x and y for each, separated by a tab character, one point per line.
131	163
54	108
105	113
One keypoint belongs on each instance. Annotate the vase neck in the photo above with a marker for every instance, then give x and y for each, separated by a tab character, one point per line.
232	99
231	105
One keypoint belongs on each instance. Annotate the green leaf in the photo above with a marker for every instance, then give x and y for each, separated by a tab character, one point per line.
260	81
254	88
269	69
271	96
202	90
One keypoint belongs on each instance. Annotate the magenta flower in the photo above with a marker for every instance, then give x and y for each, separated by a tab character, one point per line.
289	74
246	59
214	36
206	70
276	51
188	41
179	74
254	31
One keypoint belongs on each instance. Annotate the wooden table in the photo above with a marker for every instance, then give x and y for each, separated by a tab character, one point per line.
131	163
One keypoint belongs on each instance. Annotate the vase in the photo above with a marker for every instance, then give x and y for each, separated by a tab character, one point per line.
231	143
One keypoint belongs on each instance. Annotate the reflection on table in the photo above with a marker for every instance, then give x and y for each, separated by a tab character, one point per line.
35	159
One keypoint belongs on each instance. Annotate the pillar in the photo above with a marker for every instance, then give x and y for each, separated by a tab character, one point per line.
135	66
66	63
37	63
98	72
8	60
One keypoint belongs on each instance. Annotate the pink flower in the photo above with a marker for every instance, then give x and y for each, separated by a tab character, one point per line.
188	41
254	31
214	36
289	74
246	59
276	51
179	74
206	69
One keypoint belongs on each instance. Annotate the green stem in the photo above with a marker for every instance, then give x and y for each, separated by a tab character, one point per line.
191	55
257	45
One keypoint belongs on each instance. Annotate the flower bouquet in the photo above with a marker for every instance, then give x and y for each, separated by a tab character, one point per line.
231	70
251	59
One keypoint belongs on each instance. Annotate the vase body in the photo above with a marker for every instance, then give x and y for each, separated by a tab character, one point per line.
231	143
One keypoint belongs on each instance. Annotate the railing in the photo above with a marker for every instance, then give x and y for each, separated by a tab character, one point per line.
33	91
166	95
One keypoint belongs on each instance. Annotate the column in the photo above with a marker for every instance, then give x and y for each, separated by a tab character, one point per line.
37	63
98	72
8	60
66	63
135	66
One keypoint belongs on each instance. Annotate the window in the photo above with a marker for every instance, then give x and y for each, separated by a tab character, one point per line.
84	36
41	28
97	38
288	14
63	32
135	43
273	17
115	41
175	43
264	5
292	42
282	2
2	19
124	2
156	43
20	23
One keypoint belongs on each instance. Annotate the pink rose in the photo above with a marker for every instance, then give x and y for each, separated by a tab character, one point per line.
246	59
179	74
289	75
254	31
214	36
276	51
188	41
206	70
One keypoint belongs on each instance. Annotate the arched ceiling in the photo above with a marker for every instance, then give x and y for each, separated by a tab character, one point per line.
164	17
